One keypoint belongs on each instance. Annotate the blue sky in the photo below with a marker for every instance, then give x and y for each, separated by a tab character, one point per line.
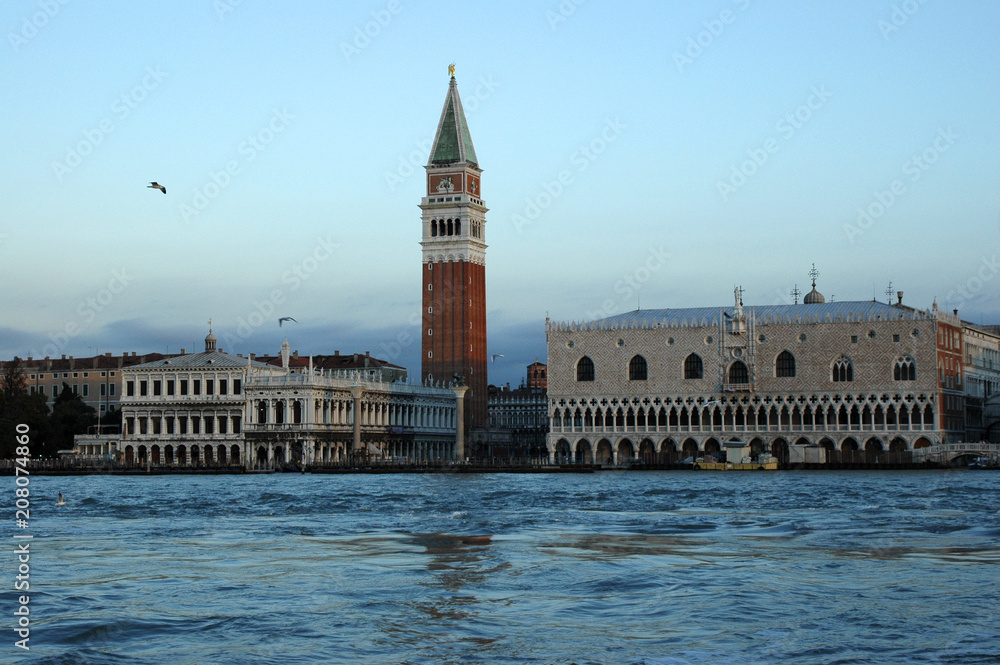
634	153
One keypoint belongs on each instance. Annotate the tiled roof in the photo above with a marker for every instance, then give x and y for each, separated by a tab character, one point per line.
337	361
88	363
204	359
856	310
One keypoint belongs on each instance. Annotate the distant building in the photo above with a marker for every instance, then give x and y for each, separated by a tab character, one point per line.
538	375
519	420
348	365
981	380
213	408
847	376
95	379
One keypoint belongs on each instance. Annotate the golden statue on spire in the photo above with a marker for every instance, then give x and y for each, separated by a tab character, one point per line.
451	70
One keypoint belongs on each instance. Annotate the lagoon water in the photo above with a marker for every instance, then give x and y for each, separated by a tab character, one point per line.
665	568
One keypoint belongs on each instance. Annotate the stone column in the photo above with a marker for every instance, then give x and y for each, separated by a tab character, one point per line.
460	421
356	393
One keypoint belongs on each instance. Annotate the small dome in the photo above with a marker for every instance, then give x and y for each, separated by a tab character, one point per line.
814	297
210	341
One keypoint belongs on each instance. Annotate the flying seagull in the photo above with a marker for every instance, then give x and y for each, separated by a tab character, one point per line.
497	355
285	318
156	185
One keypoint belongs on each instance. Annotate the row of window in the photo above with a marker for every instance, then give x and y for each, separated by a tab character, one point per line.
842	370
453	227
106	389
65	375
198	425
170	384
448	227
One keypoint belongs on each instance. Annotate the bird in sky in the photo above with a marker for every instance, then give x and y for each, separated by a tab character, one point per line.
156	185
285	318
497	355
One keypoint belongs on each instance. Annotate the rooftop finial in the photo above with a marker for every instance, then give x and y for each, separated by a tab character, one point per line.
451	70
814	297
796	293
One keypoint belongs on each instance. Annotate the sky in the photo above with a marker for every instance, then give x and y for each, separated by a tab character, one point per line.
635	154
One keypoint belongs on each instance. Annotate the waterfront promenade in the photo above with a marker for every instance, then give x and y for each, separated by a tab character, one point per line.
955	455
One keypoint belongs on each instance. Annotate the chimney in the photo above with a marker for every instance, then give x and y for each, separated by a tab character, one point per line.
133	354
955	312
64	356
336	352
295	353
899	296
107	354
183	352
253	356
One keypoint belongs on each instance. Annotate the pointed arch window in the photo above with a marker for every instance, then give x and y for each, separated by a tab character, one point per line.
585	369
738	372
693	367
905	369
843	370
637	369
784	365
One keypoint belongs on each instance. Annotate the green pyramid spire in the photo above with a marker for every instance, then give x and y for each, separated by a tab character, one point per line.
453	143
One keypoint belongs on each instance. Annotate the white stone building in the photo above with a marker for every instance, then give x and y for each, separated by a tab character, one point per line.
213	408
187	410
658	385
309	418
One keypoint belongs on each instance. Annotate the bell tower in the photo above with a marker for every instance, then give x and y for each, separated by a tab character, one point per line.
453	244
